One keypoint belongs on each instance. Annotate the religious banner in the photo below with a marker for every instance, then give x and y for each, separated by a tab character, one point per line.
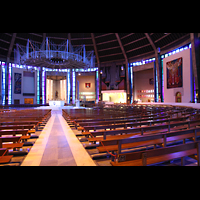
174	73
87	85
17	83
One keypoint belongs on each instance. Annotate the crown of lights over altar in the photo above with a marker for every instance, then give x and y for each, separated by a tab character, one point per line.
54	56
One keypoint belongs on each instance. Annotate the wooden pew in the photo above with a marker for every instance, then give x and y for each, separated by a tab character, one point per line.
25	134
30	127
4	157
134	124
91	116
141	130
39	115
118	117
5	142
124	120
160	138
149	157
36	123
18	126
11	127
100	120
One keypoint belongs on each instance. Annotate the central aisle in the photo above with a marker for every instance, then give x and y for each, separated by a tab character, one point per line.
57	151
57	146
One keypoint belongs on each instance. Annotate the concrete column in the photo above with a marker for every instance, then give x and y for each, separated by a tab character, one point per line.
127	83
195	61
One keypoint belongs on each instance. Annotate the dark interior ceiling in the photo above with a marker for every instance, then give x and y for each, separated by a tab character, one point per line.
107	45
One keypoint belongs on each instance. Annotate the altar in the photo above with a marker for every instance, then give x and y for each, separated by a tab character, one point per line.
56	103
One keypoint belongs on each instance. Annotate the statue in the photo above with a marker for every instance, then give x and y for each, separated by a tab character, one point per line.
56	94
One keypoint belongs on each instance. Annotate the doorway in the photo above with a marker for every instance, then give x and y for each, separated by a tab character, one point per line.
16	101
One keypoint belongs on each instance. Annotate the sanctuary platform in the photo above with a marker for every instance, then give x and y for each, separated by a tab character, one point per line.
60	107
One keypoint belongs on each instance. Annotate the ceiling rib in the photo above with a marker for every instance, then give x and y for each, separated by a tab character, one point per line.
138	48
127	35
11	45
114	54
98	36
95	47
109	48
156	57
134	41
106	42
121	46
135	45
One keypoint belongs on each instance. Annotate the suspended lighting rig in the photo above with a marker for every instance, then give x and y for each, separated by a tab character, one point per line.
54	56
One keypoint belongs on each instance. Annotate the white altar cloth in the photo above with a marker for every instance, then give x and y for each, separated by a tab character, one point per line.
56	103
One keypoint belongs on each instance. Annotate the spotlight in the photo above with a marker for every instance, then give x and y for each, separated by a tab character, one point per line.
122	67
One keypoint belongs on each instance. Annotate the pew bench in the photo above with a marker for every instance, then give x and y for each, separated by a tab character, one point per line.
121	120
126	124
114	148
4	157
141	130
11	127
149	157
5	142
30	127
96	120
146	140
111	147
36	123
23	132
118	120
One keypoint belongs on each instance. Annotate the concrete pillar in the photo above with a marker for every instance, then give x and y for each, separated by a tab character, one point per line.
127	83
195	61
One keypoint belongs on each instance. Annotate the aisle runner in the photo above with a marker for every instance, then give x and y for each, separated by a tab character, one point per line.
57	151
35	155
81	156
57	145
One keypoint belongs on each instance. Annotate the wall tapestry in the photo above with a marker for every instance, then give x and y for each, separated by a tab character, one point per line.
174	73
17	83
